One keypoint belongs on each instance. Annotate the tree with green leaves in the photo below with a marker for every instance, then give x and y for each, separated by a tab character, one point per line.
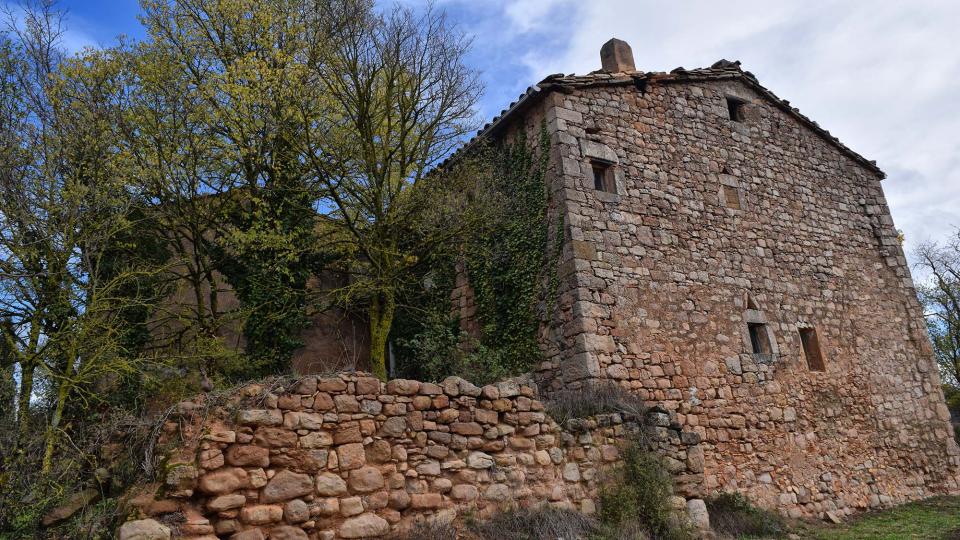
63	203
506	250
398	98
223	96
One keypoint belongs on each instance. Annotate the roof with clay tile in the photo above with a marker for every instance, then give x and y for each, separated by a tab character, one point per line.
721	70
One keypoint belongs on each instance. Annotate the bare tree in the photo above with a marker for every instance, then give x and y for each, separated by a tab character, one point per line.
940	296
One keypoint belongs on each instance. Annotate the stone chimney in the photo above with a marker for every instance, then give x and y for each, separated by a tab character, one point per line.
616	56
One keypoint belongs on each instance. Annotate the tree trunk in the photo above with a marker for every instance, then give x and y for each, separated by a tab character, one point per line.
23	401
51	435
381	311
8	396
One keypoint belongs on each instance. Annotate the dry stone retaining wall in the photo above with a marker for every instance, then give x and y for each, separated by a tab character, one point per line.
350	457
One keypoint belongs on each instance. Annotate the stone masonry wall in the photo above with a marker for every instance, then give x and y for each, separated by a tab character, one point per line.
350	457
663	276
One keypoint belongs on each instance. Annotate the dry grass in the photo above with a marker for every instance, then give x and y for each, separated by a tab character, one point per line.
594	399
732	514
430	531
544	523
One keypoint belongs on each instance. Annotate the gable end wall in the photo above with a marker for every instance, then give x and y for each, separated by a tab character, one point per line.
655	285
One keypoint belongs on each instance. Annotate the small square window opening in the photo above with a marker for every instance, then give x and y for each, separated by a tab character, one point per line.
731	197
735	109
603	176
759	338
811	349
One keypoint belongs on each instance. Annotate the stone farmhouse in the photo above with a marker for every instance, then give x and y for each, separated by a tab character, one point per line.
727	258
723	257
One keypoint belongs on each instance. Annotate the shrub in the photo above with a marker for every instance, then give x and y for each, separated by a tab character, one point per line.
429	530
592	399
441	349
732	514
539	523
638	497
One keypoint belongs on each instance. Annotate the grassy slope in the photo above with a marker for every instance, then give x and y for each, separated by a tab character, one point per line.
932	519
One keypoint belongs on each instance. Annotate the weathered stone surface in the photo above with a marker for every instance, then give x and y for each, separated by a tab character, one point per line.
368	385
248	456
697	510
286	532
364	526
465	492
260	417
286	485
306	385
351	506
249	534
296	511
144	529
317	439
497	492
571	473
466	428
403	387
330	485
399	499
378	451
395	426
346	403
351	456
226	502
349	433
480	460
274	437
181	479
422	501
224	436
365	480
261	514
223	481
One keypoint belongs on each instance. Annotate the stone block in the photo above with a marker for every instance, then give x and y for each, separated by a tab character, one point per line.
223	481
240	455
365	480
364	526
261	514
286	485
351	456
226	502
144	529
296	511
260	417
330	485
403	387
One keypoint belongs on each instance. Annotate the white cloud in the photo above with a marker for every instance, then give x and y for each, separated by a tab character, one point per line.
882	76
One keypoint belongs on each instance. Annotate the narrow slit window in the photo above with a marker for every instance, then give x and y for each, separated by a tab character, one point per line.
731	197
735	109
603	176
811	349
759	339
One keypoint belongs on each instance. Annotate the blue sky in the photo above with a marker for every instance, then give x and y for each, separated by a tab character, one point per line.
883	76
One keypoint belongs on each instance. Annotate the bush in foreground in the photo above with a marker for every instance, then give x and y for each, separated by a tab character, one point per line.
733	514
639	497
